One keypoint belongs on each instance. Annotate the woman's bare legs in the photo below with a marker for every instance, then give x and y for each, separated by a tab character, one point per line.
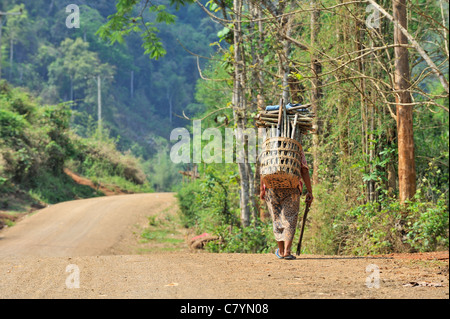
284	247
287	248
281	247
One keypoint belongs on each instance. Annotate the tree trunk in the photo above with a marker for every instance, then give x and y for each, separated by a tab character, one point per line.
71	88
362	96
406	163
239	109
1	28
316	67
11	58
258	102
132	85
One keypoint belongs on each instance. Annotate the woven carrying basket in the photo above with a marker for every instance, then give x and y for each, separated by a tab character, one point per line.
280	162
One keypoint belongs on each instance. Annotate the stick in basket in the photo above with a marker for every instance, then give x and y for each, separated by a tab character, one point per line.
280	113
295	123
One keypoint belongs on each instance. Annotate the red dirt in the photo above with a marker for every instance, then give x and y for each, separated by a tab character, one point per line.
84	181
437	255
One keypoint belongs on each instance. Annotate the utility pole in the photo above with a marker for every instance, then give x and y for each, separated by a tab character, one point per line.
98	80
2	14
99	101
132	85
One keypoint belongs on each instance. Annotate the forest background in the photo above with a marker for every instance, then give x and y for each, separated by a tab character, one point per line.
159	65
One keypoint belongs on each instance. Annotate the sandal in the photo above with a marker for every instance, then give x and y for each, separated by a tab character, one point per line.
277	253
290	257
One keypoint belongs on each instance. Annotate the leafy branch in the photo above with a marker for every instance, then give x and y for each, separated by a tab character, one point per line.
123	22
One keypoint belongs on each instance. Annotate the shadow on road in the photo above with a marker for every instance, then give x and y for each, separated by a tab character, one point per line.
340	257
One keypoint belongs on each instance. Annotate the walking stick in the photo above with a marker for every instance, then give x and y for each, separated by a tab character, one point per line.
299	245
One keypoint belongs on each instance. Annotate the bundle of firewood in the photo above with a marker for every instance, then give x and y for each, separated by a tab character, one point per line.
286	121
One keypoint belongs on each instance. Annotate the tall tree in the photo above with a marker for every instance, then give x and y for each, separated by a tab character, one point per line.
316	68
240	109
73	66
406	162
16	26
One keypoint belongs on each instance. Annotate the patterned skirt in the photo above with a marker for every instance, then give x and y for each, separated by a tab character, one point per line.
283	205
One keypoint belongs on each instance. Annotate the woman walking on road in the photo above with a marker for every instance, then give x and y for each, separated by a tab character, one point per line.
283	205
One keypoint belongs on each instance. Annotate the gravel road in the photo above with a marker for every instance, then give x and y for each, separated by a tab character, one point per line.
92	249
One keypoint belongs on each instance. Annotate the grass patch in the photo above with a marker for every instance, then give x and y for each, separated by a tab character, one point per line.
161	236
162	232
55	189
114	182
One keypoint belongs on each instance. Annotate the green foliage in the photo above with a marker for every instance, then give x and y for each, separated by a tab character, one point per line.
427	224
52	189
375	228
216	198
102	161
188	204
256	238
36	145
207	214
12	125
59	64
325	231
163	173
357	148
56	156
74	67
357	141
126	20
210	204
371	228
432	143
